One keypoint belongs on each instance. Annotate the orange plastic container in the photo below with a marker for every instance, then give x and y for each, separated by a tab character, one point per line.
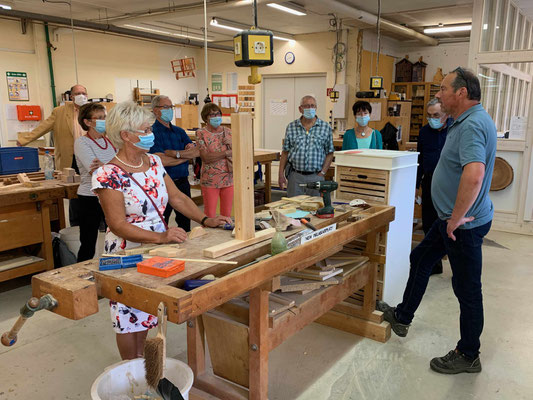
161	266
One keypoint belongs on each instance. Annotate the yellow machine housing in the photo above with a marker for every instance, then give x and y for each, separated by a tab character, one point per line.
253	48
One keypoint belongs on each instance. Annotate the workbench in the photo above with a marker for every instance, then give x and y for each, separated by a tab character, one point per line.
77	288
25	232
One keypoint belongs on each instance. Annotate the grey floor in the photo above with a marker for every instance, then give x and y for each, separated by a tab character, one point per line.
56	358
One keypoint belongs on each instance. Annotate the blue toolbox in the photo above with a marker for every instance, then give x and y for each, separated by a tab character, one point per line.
108	263
14	160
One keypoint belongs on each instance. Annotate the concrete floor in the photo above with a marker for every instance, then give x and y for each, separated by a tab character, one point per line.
56	358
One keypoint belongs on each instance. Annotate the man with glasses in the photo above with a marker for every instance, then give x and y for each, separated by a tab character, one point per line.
460	192
175	149
307	151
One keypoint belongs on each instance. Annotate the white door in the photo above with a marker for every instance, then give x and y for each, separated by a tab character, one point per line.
281	99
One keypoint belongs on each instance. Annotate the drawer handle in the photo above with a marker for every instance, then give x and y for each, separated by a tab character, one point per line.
362	176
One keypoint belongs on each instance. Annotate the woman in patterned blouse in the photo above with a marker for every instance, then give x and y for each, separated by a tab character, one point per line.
133	189
214	143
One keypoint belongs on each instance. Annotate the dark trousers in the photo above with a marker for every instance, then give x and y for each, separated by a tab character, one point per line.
183	222
465	261
429	214
89	218
74	207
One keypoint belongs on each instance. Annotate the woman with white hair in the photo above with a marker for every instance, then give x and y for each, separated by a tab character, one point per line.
133	189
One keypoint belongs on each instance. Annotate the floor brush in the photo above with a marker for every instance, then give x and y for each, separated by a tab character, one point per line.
155	355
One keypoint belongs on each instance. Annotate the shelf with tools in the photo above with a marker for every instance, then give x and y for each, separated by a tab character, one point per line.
246	98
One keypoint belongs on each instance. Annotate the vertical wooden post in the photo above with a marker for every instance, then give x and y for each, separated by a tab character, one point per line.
46	247
196	345
243	175
258	378
372	246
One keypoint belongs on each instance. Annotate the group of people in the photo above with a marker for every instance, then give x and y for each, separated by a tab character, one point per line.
134	165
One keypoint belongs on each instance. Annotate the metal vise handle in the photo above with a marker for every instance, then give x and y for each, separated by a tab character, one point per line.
34	304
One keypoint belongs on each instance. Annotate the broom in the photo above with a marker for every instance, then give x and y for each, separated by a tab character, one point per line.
155	357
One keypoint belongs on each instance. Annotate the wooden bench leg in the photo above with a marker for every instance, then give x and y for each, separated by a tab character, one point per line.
258	341
196	345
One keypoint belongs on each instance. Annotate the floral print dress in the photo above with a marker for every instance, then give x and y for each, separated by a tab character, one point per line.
218	174
141	213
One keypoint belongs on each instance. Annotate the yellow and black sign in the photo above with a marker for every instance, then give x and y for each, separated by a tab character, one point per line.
253	48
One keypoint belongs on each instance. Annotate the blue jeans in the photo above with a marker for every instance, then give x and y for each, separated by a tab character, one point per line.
465	260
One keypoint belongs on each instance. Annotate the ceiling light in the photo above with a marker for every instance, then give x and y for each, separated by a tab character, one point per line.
289	7
143	28
5	6
235	27
449	28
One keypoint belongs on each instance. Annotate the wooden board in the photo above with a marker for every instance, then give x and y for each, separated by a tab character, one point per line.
243	175
358	326
290	284
236	244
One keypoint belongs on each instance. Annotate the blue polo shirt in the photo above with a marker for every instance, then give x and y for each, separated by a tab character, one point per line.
471	138
173	138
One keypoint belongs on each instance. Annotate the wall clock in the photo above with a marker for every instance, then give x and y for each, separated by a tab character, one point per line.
289	57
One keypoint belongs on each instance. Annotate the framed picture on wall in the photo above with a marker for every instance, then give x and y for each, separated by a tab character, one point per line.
17	86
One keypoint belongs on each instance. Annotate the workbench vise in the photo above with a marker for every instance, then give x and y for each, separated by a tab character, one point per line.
324	188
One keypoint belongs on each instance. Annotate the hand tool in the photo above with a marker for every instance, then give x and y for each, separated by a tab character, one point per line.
308	224
325	188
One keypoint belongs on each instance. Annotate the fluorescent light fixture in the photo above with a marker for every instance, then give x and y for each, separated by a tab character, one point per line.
235	27
5	6
143	28
289	7
450	28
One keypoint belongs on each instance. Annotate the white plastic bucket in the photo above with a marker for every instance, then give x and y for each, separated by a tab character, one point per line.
127	378
71	237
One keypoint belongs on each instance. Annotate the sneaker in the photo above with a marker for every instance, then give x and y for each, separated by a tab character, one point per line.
455	362
389	315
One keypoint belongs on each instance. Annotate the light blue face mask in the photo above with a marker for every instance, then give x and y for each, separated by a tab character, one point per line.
309	113
167	114
363	121
146	142
100	126
435	123
215	121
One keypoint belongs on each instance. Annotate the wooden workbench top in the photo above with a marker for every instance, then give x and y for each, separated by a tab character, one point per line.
47	190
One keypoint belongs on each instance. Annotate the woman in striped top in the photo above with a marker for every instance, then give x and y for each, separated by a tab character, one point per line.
92	151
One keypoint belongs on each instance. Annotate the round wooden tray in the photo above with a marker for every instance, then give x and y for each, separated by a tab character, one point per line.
502	176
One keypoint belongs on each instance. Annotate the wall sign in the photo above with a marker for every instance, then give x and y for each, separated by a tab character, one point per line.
17	86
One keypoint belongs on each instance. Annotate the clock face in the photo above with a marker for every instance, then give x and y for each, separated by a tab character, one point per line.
289	57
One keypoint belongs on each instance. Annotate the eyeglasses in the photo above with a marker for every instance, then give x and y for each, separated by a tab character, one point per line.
147	131
164	107
304	106
217	114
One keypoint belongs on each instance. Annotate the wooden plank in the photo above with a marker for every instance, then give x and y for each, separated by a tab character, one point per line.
356	310
289	284
228	347
372	330
46	251
24	270
259	344
243	175
237	244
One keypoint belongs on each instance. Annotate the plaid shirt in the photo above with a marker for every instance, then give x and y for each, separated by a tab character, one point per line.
308	149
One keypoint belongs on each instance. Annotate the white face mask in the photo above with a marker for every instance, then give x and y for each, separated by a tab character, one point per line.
80	100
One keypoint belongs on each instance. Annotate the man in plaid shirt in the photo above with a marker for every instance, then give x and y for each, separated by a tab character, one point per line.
307	151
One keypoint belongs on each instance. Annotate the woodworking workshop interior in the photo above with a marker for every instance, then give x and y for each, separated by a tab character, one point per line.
266	199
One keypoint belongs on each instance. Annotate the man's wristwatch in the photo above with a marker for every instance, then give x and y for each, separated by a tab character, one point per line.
177	154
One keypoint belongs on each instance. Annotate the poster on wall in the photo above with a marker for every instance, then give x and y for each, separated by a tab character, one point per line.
17	86
216	82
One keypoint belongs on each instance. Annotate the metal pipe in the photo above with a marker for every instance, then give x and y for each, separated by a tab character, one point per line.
388	26
50	64
108	28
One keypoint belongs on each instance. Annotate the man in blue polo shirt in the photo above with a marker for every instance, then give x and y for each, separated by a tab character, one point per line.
460	191
175	149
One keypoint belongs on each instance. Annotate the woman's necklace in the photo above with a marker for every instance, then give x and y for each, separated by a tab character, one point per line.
129	165
98	144
363	134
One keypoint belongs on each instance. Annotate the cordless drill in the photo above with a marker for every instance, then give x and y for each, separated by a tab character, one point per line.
325	188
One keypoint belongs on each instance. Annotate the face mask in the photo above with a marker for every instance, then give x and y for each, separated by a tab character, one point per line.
80	100
100	126
146	142
435	123
167	114
309	113
215	121
363	121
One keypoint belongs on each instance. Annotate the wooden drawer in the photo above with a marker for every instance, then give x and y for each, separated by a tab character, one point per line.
20	225
371	185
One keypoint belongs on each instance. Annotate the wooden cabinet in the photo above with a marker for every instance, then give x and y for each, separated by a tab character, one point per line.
420	93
